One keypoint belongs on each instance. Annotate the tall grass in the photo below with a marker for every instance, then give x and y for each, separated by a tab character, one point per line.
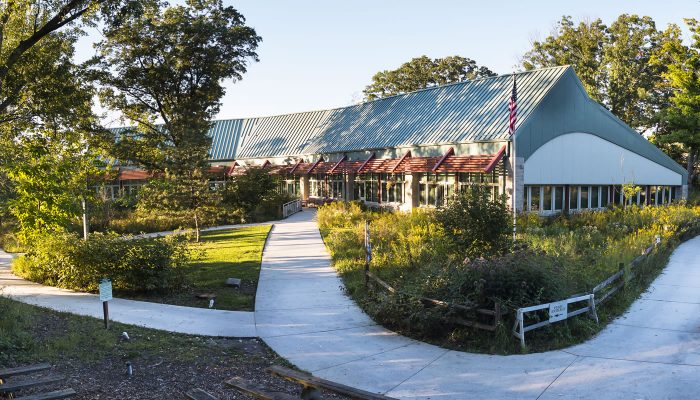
554	259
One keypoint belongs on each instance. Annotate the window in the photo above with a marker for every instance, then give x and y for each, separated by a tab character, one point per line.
573	197
585	190
436	189
558	198
366	186
547	198
595	196
336	186
469	178
604	196
534	198
392	188
643	196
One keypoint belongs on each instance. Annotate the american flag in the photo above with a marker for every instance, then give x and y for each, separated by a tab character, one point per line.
512	107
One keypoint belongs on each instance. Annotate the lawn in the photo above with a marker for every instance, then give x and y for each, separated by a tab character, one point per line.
234	253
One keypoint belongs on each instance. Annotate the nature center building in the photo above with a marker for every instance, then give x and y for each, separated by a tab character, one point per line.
417	149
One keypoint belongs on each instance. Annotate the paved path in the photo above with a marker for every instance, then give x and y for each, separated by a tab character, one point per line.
196	321
652	352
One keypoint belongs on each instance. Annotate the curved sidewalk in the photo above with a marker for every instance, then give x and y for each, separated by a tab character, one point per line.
652	352
190	320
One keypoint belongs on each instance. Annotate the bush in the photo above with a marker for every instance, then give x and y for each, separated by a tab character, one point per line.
133	264
477	225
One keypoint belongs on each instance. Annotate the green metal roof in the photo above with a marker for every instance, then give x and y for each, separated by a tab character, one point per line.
461	112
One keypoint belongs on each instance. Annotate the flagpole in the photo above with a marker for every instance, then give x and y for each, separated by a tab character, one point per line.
515	190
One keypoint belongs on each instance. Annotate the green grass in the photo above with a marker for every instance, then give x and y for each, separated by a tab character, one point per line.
31	334
235	253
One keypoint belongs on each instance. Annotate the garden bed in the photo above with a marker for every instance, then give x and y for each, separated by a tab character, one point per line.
556	258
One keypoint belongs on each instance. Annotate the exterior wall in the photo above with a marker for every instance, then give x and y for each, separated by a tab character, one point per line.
581	158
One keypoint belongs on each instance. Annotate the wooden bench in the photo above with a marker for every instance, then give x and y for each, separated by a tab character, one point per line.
257	392
19	385
313	384
199	394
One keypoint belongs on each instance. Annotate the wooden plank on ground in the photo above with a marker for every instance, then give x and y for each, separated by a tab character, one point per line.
199	394
27	369
10	387
310	380
257	392
55	395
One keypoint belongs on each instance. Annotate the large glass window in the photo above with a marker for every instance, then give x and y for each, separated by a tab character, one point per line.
573	197
534	198
585	190
436	189
366	187
547	198
392	188
595	196
558	198
490	179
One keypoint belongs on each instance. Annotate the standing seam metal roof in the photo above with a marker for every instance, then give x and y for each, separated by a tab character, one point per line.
467	111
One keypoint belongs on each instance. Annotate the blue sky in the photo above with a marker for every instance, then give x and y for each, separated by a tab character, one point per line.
321	54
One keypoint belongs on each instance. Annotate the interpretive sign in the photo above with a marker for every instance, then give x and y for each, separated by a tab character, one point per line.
558	311
105	290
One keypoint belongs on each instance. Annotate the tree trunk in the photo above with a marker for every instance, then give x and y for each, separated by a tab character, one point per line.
692	158
196	228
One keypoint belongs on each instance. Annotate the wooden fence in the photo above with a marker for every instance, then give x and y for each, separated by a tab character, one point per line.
559	310
464	313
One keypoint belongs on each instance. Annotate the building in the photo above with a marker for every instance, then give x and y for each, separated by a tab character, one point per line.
417	149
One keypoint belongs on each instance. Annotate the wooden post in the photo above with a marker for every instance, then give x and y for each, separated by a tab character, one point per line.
367	253
105	309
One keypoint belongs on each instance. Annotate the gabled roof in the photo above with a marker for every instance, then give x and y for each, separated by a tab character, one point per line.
467	111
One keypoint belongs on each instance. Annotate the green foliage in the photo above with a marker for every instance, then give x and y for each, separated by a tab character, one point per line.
557	258
613	62
63	259
168	64
679	123
478	226
180	196
423	72
254	193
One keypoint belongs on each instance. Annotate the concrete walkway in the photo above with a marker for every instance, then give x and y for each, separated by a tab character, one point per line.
652	352
196	321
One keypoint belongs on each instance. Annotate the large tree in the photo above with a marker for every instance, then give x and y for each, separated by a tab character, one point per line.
613	63
423	72
679	123
164	70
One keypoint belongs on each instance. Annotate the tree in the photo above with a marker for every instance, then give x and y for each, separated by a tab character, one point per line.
613	63
163	69
679	123
580	46
423	72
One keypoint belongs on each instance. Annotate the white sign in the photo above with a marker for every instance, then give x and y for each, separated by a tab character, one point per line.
105	290
558	311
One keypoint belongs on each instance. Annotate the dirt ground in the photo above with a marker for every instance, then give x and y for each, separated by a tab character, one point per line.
164	365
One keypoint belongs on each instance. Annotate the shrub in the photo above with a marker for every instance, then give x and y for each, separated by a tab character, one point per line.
133	264
477	225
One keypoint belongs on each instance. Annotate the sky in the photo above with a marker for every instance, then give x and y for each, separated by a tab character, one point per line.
321	54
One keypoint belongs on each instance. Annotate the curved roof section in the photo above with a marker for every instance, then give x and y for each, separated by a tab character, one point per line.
461	112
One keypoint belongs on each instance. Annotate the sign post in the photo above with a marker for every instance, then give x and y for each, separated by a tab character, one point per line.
368	252
105	297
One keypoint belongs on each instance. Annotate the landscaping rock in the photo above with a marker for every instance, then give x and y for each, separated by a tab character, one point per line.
234	282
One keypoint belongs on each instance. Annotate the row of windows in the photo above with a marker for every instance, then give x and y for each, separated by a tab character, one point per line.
551	198
436	189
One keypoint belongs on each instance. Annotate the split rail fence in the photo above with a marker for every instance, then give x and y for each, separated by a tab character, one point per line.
559	310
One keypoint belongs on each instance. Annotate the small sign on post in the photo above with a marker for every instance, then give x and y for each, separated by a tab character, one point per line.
105	297
558	311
